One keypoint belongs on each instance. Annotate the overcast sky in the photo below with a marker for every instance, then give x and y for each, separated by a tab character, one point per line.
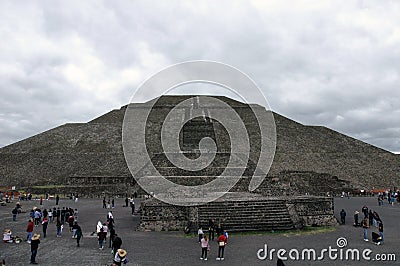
331	63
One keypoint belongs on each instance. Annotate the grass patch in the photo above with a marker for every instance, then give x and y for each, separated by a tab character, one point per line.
48	186
308	230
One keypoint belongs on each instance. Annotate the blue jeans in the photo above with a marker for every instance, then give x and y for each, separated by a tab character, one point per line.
14	217
101	243
29	236
59	231
381	235
365	233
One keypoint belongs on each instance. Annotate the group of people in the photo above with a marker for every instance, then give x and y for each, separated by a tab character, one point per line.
369	218
115	242
222	239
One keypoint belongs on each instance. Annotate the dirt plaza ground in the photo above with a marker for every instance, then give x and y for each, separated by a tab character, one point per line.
174	248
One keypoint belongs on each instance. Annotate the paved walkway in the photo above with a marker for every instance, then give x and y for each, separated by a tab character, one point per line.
173	248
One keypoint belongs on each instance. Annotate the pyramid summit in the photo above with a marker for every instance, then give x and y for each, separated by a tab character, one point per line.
88	157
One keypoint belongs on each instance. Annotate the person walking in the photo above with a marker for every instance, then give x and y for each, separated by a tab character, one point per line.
126	201
205	246
343	216
116	244
104	203
222	241
29	230
34	248
45	222
365	226
101	236
78	234
57	199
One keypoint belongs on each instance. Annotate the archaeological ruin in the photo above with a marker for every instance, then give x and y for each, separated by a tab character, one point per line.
311	164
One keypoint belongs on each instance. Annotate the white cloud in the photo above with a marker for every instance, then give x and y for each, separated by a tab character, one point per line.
319	62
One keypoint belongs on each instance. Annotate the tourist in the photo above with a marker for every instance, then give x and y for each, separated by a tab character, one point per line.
101	236
38	216
14	214
222	241
132	207
370	218
59	227
380	229
204	247
7	236
364	210
116	244
57	199
211	228
120	257
41	200
376	218
58	213
70	221
108	204
63	212
50	214
219	230
78	233
200	233
343	216
365	226
76	215
126	201
105	230
226	234
34	248
356	218
104	203
112	203
112	235
29	230
376	238
45	222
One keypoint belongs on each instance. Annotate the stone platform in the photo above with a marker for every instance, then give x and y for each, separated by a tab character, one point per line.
240	211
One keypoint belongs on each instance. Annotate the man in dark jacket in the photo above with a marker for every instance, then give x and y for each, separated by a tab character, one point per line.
117	243
343	216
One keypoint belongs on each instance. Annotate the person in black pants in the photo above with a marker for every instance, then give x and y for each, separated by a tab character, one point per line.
116	244
34	248
211	228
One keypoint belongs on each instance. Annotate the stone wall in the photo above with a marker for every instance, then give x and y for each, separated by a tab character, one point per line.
241	212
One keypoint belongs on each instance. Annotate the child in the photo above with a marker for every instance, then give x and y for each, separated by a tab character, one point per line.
200	233
204	248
